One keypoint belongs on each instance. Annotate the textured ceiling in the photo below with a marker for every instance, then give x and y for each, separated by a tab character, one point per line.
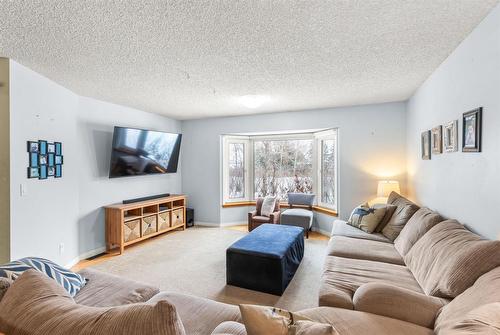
193	59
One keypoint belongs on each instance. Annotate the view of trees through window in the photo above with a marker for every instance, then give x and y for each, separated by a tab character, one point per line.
236	171
282	166
328	171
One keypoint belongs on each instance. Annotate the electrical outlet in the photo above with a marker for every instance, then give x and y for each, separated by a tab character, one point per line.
61	248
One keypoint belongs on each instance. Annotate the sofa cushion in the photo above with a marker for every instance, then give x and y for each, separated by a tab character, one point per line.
343	276
398	303
103	290
4	286
404	211
199	316
35	304
348	322
449	258
366	218
483	320
230	328
341	228
484	291
389	212
348	247
419	224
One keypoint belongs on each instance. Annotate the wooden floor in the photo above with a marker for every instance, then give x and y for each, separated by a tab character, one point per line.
99	259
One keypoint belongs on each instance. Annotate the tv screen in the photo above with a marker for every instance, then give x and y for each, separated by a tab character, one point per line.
139	152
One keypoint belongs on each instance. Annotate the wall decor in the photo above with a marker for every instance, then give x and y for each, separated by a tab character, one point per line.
58	173
45	159
33	172
471	132
426	145
450	136
32	146
437	137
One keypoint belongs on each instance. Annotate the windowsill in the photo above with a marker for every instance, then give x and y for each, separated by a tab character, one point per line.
319	209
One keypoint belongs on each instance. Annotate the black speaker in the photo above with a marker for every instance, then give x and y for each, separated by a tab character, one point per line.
189	217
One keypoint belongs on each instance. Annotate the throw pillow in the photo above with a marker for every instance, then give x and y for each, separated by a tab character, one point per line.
4	286
404	211
71	281
419	224
449	258
268	206
262	320
35	304
389	211
366	218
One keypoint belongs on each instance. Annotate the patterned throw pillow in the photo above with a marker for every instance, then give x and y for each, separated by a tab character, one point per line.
366	218
71	281
263	320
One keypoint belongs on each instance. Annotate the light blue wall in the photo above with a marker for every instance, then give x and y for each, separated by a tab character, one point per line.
372	146
68	210
461	185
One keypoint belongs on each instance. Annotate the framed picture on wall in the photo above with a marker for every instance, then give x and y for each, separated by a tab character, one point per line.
471	132
58	148
426	145
58	171
32	146
33	172
437	136
42	147
42	170
450	136
51	148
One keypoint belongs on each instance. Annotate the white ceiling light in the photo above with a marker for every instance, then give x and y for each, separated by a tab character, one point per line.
253	101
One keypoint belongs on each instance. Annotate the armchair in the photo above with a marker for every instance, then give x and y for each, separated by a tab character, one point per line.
255	219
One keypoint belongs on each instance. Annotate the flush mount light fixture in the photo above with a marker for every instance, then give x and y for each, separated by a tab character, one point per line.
252	100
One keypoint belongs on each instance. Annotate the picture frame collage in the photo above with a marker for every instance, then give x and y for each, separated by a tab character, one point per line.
45	159
444	138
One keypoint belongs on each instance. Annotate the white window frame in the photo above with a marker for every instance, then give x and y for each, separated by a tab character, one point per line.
248	142
233	139
331	134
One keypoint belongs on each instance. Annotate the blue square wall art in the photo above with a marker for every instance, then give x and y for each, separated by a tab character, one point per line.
45	159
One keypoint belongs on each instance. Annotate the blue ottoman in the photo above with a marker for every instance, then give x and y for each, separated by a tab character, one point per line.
266	259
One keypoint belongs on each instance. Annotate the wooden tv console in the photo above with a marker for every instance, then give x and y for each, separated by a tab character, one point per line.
127	224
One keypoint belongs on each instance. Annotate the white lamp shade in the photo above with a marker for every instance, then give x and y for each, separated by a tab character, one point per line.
385	187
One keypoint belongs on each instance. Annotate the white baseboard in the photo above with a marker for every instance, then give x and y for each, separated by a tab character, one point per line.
206	224
85	255
229	224
219	224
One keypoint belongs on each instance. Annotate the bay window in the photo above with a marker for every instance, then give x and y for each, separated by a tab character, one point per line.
260	165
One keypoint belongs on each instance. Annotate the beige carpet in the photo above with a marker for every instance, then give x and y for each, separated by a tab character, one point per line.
194	262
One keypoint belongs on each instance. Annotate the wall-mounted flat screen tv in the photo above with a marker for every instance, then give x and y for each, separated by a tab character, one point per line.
138	152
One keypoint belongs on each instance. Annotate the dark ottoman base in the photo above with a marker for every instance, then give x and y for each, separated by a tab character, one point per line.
266	259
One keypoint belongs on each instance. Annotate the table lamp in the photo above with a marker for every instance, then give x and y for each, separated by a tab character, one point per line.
385	187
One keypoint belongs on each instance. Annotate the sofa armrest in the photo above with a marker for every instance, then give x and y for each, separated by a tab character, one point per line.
252	214
199	315
398	303
275	217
